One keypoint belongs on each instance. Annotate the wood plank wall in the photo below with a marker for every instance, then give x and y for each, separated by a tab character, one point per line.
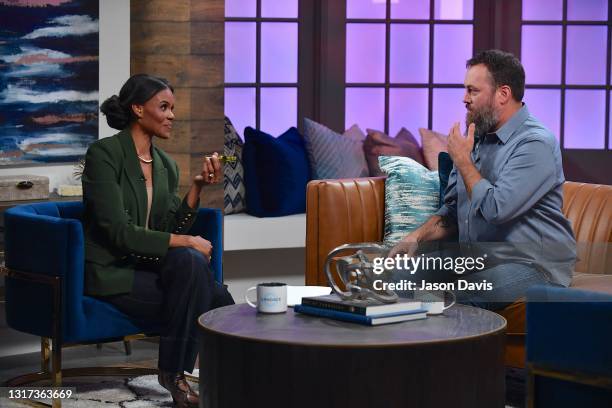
183	41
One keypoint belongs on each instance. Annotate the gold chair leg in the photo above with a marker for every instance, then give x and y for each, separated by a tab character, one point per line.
45	350
56	375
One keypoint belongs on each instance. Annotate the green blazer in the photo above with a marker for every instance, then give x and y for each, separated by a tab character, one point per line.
115	202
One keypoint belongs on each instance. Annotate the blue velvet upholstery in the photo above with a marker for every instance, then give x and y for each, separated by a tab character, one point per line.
569	330
47	239
276	172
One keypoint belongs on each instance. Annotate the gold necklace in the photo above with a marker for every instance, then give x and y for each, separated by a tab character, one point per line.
145	160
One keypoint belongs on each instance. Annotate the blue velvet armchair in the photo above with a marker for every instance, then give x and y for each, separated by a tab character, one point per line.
44	257
569	348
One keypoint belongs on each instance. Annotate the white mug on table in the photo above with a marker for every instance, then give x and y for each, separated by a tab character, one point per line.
271	297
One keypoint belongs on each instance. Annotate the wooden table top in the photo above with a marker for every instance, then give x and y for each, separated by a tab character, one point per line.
456	324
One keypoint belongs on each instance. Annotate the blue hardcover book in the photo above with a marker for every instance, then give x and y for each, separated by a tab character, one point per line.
368	307
361	319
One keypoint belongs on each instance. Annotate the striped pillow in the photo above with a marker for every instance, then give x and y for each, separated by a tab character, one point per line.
332	155
411	196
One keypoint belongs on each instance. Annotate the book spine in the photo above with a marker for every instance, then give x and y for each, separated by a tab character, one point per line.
333	314
340	307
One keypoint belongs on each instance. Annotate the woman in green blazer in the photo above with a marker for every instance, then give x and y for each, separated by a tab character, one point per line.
137	255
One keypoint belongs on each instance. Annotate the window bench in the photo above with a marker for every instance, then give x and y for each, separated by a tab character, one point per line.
243	231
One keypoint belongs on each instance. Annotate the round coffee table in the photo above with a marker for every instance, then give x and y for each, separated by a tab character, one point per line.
293	360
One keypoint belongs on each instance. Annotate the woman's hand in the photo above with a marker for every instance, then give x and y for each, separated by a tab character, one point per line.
201	245
212	171
196	242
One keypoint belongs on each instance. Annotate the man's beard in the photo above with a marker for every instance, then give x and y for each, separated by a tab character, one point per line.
485	119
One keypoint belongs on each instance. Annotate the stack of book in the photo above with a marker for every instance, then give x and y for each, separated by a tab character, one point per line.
368	312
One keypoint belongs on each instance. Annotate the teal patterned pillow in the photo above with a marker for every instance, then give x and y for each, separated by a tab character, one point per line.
411	196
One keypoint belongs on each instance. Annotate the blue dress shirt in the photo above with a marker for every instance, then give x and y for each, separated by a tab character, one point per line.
514	213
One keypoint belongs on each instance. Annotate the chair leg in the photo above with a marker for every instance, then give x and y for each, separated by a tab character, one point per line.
45	351
128	347
99	346
56	374
530	387
127	342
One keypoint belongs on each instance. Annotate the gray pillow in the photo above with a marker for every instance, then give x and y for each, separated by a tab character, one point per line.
332	155
233	173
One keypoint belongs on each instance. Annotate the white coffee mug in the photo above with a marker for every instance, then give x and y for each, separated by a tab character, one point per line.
435	301
271	297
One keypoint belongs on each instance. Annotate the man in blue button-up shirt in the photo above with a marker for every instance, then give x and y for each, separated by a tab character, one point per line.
504	195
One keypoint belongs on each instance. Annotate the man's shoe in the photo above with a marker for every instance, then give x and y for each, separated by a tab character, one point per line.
182	394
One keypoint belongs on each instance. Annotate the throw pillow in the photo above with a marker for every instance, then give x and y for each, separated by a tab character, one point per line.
433	143
445	166
355	133
233	173
379	144
411	196
332	155
276	172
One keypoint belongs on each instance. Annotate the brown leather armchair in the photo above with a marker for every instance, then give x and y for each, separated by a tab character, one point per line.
352	210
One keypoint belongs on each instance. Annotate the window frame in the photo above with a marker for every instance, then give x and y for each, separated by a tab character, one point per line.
387	85
563	86
258	84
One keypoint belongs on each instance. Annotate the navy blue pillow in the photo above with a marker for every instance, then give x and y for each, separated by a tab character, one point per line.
276	172
445	165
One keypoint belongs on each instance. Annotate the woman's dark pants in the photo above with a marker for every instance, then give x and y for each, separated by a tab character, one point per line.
175	293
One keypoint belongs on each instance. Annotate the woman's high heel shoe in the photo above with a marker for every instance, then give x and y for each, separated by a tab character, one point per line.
182	394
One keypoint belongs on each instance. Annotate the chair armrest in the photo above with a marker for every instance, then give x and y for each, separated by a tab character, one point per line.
49	247
43	244
209	225
340	212
569	329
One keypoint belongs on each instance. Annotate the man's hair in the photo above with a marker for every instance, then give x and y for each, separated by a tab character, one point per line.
505	69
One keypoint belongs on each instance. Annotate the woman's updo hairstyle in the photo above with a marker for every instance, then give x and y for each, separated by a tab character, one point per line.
136	91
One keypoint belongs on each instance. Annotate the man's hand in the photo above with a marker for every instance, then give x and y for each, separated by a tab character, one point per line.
434	229
408	245
459	147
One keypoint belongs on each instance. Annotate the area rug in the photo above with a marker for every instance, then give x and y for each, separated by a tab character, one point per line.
109	392
145	392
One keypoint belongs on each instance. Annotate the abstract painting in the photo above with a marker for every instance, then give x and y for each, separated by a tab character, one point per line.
48	80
